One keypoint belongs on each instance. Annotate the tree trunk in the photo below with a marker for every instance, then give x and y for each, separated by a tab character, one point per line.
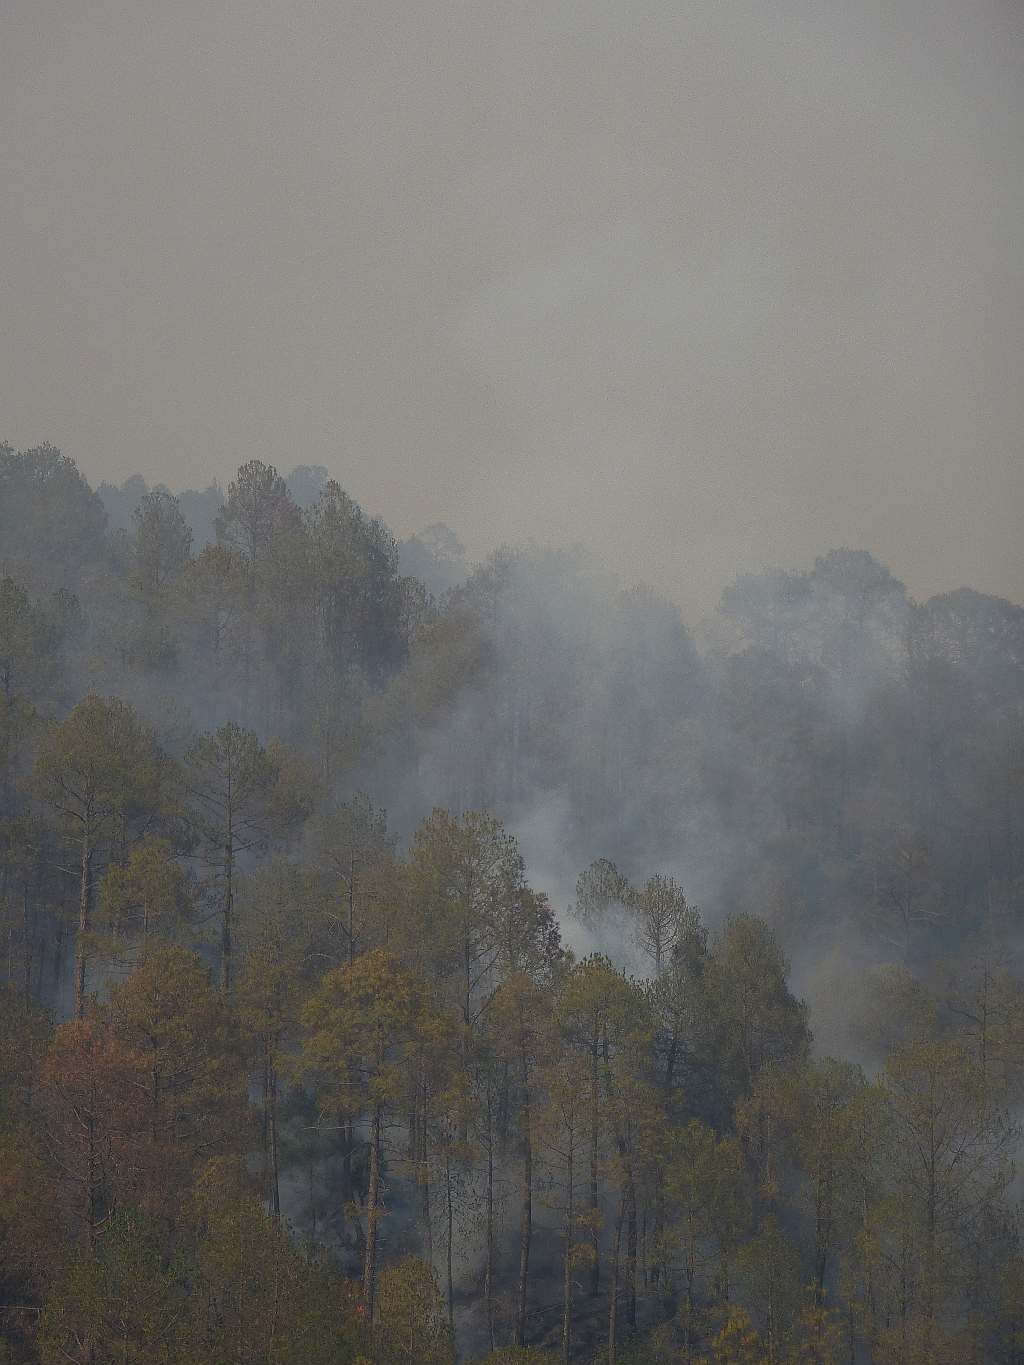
659	1271
613	1289
595	1142
275	1170
93	1177
526	1224
448	1249
631	1252
27	931
352	910
691	1275
567	1268
424	1155
84	917
822	1237
372	1213
489	1267
227	911
348	1139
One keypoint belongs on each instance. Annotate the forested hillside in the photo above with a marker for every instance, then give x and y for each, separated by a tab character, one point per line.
405	961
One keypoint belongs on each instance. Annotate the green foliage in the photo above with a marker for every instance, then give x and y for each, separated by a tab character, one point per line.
262	1298
191	1053
257	506
411	1327
235	1288
145	899
352	845
123	1300
242	796
366	1028
212	592
757	1020
102	769
162	543
49	517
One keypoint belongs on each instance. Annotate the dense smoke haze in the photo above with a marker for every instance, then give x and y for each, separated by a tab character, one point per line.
705	287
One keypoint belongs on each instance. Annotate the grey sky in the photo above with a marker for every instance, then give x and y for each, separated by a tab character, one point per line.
705	285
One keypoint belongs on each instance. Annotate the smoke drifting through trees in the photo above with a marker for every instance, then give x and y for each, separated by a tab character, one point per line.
251	1019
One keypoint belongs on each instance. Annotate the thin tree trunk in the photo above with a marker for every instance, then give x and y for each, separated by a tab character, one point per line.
691	1274
822	1238
274	1320
154	1106
613	1289
372	1212
595	1141
448	1249
84	917
489	1267
526	1224
352	910
631	1251
567	1269
347	1144
265	1109
93	1179
659	1271
29	938
310	1170
227	911
275	1174
424	1153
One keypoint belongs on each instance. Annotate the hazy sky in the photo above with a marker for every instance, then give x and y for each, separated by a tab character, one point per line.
704	285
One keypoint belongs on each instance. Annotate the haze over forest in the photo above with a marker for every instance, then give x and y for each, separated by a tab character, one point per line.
706	287
511	684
